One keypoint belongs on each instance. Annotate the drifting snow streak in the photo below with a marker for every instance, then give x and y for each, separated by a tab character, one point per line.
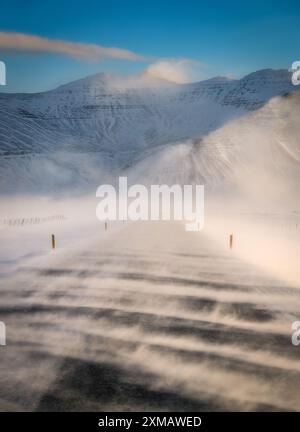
150	318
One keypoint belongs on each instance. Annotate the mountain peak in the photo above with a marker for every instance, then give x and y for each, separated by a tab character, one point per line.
268	74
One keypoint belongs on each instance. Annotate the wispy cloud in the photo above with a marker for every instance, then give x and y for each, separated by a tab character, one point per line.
20	42
176	70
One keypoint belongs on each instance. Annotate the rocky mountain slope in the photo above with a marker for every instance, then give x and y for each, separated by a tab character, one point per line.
82	132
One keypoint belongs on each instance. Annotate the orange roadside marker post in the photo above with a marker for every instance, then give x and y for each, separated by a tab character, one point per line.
53	241
231	241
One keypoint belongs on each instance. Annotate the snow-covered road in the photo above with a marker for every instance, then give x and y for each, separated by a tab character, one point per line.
147	317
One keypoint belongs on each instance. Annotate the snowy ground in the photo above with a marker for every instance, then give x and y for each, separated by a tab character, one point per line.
145	316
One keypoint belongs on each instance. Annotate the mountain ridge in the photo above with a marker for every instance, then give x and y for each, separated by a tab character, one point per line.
119	125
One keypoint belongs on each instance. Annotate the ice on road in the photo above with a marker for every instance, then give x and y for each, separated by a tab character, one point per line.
147	317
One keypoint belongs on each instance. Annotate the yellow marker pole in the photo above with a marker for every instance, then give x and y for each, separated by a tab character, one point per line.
53	241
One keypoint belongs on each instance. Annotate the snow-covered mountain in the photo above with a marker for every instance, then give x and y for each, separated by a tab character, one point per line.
81	132
257	155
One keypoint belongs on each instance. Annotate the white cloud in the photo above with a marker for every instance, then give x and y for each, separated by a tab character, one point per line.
21	42
179	71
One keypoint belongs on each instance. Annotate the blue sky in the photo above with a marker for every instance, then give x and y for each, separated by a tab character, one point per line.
226	37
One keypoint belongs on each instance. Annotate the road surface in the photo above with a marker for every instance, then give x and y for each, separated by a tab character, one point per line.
148	317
